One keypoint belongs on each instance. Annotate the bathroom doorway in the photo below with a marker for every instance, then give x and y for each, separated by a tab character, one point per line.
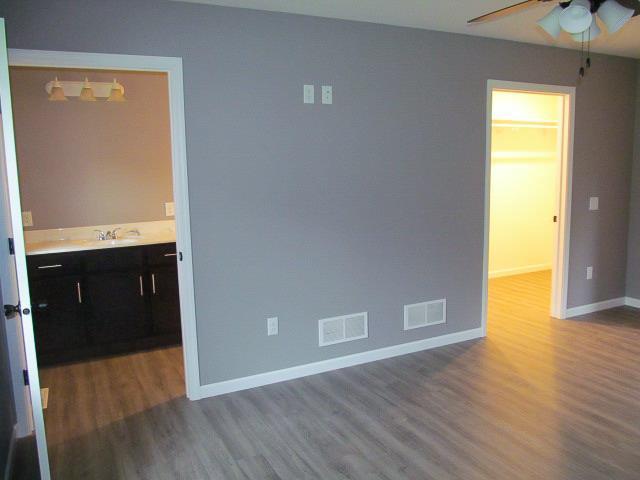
124	238
527	190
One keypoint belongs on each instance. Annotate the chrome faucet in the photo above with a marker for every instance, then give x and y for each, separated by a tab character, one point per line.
108	235
101	235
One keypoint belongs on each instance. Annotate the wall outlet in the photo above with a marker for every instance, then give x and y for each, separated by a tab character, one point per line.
594	203
169	209
27	219
309	94
327	94
272	326
589	273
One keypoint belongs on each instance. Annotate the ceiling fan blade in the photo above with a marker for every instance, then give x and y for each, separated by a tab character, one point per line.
506	11
635	4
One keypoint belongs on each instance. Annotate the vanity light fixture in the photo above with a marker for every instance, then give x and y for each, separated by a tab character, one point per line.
86	94
117	93
61	90
57	92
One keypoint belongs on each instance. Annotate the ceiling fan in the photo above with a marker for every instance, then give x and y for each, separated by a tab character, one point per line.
576	17
572	15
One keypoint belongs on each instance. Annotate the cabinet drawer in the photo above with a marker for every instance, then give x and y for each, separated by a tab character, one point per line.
163	254
54	264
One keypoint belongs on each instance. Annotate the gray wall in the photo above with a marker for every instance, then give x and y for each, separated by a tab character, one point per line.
310	211
633	255
92	163
7	410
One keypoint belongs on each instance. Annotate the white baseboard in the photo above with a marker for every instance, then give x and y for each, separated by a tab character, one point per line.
507	272
11	454
596	307
237	384
632	302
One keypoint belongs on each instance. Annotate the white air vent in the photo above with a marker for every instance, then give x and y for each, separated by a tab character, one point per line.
343	329
425	314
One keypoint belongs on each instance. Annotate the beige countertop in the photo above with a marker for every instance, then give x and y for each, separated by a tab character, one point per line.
63	246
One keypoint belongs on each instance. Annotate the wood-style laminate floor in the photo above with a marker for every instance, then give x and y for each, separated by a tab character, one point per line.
539	398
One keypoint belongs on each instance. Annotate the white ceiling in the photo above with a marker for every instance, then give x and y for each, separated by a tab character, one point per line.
447	16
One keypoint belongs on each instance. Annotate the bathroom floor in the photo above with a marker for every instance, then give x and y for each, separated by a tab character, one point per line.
538	398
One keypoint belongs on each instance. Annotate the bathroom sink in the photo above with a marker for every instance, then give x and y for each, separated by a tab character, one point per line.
117	241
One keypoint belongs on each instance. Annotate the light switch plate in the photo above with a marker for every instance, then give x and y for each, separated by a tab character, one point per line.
589	273
27	219
309	94
272	326
594	203
169	209
327	94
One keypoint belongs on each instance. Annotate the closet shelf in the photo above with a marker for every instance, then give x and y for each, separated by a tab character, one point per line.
506	123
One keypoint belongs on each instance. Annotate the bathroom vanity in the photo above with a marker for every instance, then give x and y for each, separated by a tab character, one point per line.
97	301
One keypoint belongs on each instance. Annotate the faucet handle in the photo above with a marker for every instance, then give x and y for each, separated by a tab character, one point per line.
114	233
101	235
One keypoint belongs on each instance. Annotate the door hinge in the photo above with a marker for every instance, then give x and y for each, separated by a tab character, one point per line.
12	249
180	256
25	376
555	219
11	310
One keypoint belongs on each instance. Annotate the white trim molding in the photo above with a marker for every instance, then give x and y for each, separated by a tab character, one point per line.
507	272
172	66
632	302
11	454
261	379
595	307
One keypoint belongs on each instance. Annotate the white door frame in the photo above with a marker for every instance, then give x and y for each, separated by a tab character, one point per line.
560	278
172	66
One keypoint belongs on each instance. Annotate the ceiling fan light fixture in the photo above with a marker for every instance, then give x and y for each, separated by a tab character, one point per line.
550	23
576	18
614	15
590	34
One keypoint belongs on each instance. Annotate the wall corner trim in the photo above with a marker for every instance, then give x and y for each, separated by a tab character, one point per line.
598	306
11	454
267	378
632	302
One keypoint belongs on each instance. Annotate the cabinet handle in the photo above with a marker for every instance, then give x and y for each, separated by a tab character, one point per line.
79	292
153	283
42	267
170	254
141	287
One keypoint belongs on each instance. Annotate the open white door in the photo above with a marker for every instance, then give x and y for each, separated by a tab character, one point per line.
15	266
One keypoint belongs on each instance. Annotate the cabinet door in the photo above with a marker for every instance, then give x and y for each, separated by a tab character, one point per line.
57	313
118	307
165	301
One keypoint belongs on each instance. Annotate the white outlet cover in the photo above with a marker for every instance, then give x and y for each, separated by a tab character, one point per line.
327	94
27	219
594	203
169	209
272	326
309	94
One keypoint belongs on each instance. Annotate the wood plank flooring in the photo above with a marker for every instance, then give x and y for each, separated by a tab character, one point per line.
539	398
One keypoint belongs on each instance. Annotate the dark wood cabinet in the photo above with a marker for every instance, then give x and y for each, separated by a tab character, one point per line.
118	307
99	302
57	313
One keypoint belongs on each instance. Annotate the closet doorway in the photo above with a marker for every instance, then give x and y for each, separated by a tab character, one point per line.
527	196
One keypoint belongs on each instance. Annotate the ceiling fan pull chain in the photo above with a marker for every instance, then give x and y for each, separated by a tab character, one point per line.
581	71
589	49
